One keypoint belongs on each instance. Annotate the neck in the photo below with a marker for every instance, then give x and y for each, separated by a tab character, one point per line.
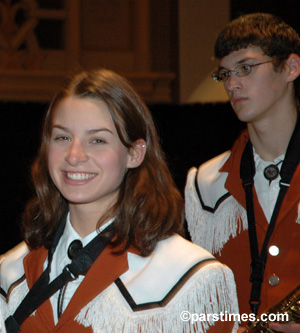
84	219
271	139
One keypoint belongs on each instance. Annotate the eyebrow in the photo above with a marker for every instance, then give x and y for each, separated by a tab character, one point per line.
91	131
242	61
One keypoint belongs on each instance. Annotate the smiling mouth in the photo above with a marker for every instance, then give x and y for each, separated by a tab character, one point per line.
80	175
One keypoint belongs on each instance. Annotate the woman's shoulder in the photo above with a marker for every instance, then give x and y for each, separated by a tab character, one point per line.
175	254
179	276
179	251
174	262
11	265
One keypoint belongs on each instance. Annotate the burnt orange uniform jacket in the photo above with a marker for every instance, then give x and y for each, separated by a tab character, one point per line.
217	221
42	321
130	293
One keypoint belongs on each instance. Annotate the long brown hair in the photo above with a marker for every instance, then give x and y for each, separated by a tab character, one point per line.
149	206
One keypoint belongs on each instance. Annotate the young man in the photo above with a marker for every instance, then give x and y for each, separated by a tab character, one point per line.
259	65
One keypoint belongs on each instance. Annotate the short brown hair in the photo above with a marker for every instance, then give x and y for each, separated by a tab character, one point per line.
269	32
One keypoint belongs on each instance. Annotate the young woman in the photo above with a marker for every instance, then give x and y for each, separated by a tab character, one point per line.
103	251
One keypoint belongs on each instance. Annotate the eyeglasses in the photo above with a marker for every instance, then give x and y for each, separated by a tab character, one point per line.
239	70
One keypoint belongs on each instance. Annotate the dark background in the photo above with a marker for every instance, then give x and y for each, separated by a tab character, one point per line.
288	10
190	135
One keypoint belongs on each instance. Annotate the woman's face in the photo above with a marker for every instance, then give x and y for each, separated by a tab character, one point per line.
86	159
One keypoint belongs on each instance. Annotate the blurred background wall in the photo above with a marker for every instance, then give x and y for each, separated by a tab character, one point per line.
164	47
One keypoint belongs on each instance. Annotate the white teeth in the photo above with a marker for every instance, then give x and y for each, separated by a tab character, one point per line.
80	176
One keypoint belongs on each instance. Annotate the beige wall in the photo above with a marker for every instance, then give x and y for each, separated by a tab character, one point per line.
200	21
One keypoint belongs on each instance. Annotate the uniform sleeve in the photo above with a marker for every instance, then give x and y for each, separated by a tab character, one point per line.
212	214
3	313
11	266
210	296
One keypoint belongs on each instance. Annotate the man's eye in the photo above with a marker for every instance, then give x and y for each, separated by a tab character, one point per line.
245	68
224	75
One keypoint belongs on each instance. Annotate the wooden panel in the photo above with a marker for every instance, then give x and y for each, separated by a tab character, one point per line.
106	25
42	42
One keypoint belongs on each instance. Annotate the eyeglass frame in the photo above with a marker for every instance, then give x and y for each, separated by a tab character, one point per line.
218	78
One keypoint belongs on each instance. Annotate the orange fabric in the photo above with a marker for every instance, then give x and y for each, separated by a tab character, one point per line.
236	252
106	269
95	282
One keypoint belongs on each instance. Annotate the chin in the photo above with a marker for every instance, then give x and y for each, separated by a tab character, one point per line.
245	115
77	200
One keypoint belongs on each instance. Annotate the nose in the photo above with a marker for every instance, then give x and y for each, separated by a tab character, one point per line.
232	83
76	153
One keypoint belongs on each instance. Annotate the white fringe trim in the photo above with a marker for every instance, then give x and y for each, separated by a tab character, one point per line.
210	291
17	295
212	230
3	314
298	216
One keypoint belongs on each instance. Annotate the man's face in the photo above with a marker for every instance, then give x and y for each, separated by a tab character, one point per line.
259	94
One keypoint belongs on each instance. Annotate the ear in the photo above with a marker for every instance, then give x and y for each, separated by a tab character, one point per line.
137	154
293	67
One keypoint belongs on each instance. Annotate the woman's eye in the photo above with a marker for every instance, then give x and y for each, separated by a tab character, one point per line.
98	141
62	138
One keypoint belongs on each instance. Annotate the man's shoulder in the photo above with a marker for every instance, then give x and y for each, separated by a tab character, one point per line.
208	181
12	269
209	171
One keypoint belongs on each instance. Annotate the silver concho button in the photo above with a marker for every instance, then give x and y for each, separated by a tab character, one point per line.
274	250
271	172
274	280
